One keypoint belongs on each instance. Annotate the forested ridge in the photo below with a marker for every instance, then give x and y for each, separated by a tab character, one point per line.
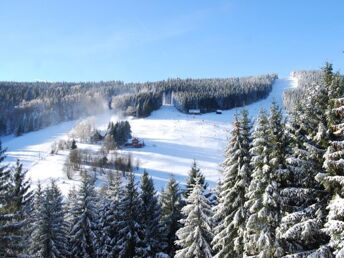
36	105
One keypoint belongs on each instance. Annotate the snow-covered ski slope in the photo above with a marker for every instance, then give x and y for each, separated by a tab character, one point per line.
172	139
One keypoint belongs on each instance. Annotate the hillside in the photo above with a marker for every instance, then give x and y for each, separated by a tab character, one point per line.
173	139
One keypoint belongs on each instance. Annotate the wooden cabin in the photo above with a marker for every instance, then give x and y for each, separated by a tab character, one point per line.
135	143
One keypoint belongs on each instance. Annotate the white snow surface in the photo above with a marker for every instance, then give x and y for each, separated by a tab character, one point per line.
172	140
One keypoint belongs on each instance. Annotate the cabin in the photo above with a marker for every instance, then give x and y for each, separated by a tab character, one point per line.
195	111
219	111
135	143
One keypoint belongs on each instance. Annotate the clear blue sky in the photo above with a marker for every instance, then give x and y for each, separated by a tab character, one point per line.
74	40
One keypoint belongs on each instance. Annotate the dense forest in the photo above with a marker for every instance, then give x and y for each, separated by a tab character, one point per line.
37	105
281	195
305	80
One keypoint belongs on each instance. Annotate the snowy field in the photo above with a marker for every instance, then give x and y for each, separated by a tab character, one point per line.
172	139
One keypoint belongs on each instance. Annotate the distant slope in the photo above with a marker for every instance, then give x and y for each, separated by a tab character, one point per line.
172	139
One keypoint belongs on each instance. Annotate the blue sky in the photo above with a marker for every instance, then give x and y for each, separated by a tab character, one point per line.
74	40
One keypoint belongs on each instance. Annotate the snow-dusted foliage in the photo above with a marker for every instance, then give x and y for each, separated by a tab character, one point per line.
333	179
49	228
195	235
230	213
194	172
15	209
302	197
171	206
130	241
83	234
150	217
109	215
305	81
262	196
5	202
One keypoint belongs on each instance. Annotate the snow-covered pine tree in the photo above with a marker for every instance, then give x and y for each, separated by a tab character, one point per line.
36	217
49	228
194	172
195	235
21	208
83	235
333	179
279	141
230	213
109	215
262	196
150	217
68	217
171	206
302	197
130	232
5	202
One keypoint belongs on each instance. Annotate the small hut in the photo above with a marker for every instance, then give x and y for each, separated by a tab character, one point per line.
195	111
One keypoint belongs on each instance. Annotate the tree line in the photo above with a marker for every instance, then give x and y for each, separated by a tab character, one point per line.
36	105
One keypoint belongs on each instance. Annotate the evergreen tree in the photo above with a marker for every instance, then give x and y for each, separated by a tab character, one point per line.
5	204
195	235
192	175
130	233
68	216
109	215
36	216
333	178
279	141
49	235
21	208
170	215
15	208
73	145
150	216
83	234
302	197
230	211
262	196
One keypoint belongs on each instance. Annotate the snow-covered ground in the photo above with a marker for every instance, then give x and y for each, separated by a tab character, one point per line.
172	141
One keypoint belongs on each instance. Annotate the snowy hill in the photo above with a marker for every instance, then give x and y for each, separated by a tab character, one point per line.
172	139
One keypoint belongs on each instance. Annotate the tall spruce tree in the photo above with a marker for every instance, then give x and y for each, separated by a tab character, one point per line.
194	172
83	234
230	211
262	196
150	217
49	235
130	233
195	235
15	209
5	204
36	216
68	207
21	208
333	178
171	206
109	215
302	197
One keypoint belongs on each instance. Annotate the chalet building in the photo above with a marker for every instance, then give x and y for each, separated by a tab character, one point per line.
135	143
